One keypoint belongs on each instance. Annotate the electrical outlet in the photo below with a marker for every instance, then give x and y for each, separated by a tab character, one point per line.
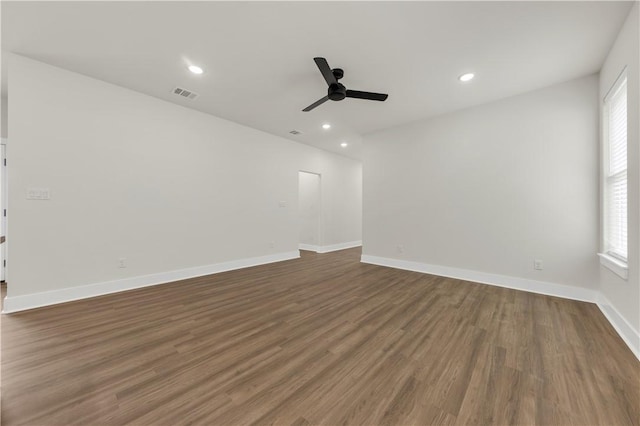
537	265
122	262
400	248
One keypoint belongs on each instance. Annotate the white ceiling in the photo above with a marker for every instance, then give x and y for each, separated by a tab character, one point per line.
258	56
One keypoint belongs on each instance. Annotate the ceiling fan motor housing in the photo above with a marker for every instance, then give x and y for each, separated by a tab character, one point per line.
337	92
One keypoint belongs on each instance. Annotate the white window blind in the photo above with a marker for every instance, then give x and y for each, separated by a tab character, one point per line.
615	167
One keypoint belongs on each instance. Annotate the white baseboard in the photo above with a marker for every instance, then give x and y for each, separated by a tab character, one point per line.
630	336
331	247
533	286
30	301
339	246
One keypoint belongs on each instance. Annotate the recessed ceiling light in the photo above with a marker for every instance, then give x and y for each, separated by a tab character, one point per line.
466	77
194	69
326	126
344	144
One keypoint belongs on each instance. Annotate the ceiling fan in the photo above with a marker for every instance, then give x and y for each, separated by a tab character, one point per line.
337	91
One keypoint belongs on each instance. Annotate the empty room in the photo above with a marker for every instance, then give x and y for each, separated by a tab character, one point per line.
320	213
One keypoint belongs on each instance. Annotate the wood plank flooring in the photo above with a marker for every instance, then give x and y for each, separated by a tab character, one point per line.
318	340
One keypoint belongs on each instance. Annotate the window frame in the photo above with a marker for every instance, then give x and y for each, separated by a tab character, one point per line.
611	259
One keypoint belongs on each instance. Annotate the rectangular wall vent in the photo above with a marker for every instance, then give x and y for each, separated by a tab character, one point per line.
294	132
184	93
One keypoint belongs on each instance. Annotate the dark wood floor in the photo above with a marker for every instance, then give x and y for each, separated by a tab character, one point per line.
319	340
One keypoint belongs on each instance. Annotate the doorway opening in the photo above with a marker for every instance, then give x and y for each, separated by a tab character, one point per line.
3	209
309	211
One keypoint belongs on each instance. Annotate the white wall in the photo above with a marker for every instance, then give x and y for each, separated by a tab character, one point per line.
3	116
624	296
3	99
163	186
309	208
492	188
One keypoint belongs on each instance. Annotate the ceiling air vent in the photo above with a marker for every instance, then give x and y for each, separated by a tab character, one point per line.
294	132
184	93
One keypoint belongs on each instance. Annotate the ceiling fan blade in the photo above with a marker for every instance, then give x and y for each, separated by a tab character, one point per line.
326	71
367	95
316	103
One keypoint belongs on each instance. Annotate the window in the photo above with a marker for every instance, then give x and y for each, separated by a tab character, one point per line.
615	176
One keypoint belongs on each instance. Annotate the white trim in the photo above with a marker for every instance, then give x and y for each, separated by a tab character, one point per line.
339	246
533	286
618	267
605	175
616	84
331	247
625	330
36	300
